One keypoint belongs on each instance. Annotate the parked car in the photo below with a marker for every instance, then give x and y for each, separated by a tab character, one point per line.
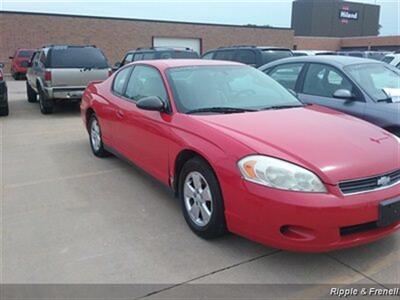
377	55
61	72
361	87
19	62
156	53
245	155
312	52
3	93
392	59
250	55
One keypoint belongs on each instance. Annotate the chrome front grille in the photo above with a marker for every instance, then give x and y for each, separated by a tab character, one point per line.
370	184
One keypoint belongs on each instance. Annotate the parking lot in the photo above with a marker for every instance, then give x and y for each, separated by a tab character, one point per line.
69	217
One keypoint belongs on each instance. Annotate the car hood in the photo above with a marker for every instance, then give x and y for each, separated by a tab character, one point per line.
333	145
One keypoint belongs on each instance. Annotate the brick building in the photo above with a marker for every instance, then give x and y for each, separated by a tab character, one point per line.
117	35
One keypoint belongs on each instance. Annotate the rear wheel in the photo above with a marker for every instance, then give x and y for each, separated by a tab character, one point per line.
201	199
30	92
46	104
96	142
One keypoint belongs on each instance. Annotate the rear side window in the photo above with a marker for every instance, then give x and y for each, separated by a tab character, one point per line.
24	53
224	54
271	55
247	57
287	74
77	57
120	79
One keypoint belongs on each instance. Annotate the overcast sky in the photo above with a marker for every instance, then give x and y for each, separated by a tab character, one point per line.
260	12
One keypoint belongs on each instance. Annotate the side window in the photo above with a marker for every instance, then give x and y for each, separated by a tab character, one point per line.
224	54
138	56
128	58
322	80
247	57
120	79
42	58
208	55
145	81
287	74
166	55
149	55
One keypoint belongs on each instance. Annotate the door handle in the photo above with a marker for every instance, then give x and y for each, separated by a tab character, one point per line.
120	114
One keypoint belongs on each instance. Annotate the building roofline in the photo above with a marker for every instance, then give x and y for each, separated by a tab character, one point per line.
141	20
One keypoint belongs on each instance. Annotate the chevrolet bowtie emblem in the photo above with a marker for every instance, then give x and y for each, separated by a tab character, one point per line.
385	180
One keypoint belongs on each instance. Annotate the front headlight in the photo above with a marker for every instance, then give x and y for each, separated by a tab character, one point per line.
279	174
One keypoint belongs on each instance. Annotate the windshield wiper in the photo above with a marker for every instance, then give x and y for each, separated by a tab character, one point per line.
280	107
223	110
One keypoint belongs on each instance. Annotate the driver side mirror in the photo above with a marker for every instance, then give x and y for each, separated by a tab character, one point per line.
343	94
152	103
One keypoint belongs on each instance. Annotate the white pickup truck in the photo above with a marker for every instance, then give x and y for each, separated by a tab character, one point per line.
62	72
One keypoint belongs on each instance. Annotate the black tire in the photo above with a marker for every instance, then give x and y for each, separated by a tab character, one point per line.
97	151
30	93
4	111
46	105
216	225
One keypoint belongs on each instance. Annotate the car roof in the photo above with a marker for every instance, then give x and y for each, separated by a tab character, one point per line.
175	63
335	60
249	47
155	49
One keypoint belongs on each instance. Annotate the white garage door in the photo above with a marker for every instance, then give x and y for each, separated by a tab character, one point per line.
177	42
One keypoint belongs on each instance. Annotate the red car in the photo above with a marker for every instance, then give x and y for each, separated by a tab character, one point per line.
19	62
245	155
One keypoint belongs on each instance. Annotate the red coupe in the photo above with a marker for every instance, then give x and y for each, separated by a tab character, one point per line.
245	155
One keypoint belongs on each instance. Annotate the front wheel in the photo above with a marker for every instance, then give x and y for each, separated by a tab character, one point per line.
96	142
201	199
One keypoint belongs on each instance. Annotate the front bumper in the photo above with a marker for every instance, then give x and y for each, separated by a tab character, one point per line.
305	221
71	93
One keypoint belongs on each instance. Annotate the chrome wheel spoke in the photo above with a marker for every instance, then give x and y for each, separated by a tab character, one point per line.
197	181
198	198
205	213
206	194
195	211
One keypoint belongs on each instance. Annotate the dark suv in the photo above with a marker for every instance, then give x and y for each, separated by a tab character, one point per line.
255	56
156	53
3	93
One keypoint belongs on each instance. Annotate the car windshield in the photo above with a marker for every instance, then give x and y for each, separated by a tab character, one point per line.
77	57
234	87
25	53
375	79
